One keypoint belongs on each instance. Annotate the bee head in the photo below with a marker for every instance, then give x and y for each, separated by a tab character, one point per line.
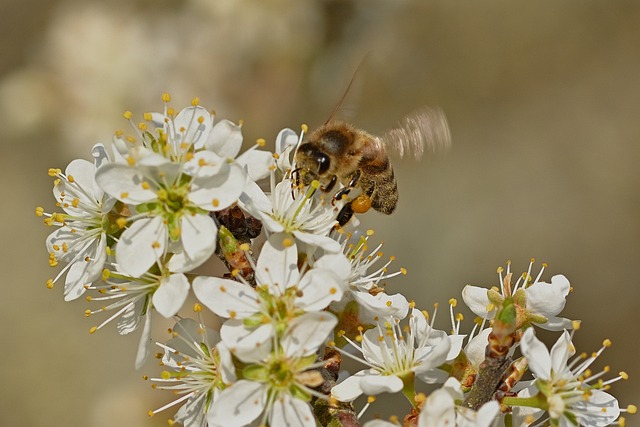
312	161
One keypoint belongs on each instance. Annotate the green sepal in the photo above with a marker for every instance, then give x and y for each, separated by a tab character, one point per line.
257	373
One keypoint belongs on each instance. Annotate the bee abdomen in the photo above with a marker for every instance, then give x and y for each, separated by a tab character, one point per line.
384	197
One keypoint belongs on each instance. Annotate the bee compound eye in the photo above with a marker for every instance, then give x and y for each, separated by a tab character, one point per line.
323	163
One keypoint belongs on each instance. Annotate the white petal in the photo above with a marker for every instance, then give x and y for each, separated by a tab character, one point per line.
349	389
438	410
432	357
318	289
124	183
141	245
537	354
337	263
601	409
560	353
307	332
198	235
556	324
290	412
225	139
193	125
248	345
475	349
254	200
171	295
379	423
324	242
277	265
238	404
100	155
145	341
286	138
257	163
204	163
130	318
226	298
217	192
548	299
477	300
376	384
83	173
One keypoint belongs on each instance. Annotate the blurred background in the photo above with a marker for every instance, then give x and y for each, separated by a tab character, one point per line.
542	99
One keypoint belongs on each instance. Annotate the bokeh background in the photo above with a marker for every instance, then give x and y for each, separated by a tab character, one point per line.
542	99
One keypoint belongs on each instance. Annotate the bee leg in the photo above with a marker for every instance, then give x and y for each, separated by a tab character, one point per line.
345	214
352	183
331	184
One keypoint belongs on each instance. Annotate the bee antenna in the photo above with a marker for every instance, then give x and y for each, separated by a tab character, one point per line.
344	95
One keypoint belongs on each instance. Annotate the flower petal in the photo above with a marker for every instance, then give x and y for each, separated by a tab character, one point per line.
125	183
248	345
192	126
238	404
288	411
217	192
141	245
477	300
318	289
307	332
226	298
225	139
349	389
277	265
548	299
198	235
537	355
376	384
171	295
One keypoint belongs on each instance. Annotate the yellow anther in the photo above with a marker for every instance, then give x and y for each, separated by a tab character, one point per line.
142	126
500	270
261	142
459	317
127	115
39	211
453	302
150	413
304	128
315	184
197	308
195	101
388	303
370	232
121	222
87	313
147	116
232	314
234	273
412	304
276	156
333	291
426	314
171	111
166	97
245	247
50	283
200	119
371	399
606	343
156	245
359	338
124	195
287	243
576	324
215	203
624	375
131	161
54	171
145	185
93	329
632	409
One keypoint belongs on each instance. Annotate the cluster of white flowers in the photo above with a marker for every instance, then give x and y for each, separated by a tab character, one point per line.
154	205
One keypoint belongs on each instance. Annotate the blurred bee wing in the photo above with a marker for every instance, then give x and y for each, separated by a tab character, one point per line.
426	128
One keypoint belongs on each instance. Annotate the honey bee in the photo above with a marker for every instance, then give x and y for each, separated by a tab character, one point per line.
340	152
